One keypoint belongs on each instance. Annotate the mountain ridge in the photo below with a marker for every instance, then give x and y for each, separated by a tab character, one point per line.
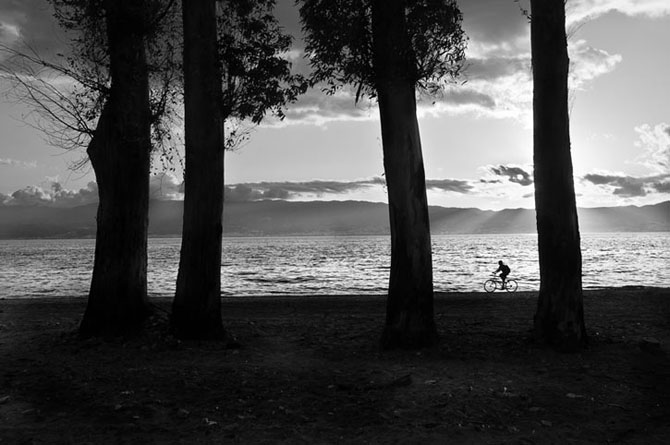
332	218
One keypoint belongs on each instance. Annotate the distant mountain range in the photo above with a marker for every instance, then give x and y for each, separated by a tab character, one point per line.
287	218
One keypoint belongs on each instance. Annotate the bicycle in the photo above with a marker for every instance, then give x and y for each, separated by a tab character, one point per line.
493	284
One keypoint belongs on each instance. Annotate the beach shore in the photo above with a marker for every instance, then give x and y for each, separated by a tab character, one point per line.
309	370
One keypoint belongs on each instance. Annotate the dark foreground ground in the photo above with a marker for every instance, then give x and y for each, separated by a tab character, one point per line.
310	371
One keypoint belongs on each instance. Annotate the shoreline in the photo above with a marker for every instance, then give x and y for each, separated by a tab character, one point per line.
437	294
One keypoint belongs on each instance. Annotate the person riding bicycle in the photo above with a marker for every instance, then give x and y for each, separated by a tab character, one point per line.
504	271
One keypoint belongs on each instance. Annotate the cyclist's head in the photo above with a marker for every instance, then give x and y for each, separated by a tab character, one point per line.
500	262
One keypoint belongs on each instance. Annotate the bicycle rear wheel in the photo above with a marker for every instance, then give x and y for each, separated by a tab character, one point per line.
490	285
511	285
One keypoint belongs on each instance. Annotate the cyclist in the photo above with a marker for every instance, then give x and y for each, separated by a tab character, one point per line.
504	271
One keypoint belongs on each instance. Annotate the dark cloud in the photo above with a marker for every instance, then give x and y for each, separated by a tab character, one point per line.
628	186
245	193
468	96
449	185
662	186
514	174
494	68
601	179
288	190
630	189
293	190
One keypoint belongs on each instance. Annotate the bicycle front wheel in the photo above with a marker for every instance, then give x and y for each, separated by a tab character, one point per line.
511	285
490	285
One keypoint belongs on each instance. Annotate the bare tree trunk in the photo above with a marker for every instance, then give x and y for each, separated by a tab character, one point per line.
410	321
120	155
559	319
196	310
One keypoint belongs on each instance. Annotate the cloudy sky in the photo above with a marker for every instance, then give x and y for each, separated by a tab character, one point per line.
477	137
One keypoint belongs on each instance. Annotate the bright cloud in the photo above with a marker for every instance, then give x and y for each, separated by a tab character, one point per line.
580	10
497	83
296	190
588	63
163	187
53	196
655	143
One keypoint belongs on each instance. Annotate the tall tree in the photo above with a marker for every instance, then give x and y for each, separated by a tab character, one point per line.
113	96
388	49
559	319
196	309
233	71
120	155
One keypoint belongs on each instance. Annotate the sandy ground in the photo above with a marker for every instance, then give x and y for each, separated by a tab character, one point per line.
310	371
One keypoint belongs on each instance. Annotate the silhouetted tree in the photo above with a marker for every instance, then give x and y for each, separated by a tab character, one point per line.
388	49
120	155
196	310
109	94
559	319
238	75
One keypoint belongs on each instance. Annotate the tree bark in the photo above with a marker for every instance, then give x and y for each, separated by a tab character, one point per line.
410	319
559	319
196	309
120	156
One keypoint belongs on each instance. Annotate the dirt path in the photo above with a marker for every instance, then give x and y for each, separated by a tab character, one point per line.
310	372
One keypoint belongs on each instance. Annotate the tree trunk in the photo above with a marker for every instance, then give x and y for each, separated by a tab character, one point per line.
410	320
559	319
196	310
120	155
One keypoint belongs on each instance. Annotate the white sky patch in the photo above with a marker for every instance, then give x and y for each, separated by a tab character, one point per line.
588	63
655	143
580	10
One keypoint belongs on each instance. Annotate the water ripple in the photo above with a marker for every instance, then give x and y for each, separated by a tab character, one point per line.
337	265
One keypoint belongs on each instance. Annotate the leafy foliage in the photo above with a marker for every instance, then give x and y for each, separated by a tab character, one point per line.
339	43
256	72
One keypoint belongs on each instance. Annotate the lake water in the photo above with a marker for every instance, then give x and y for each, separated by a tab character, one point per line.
337	265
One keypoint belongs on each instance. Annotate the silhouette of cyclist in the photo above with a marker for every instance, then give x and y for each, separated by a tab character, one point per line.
504	271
